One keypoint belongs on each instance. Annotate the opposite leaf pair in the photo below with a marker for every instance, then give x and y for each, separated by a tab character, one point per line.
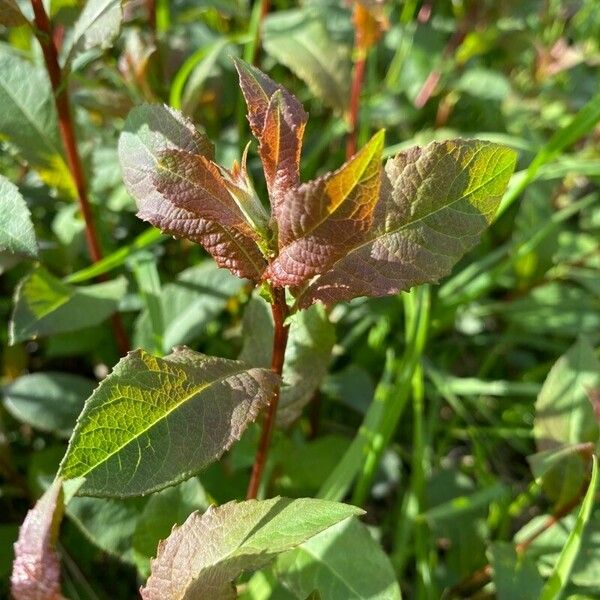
361	230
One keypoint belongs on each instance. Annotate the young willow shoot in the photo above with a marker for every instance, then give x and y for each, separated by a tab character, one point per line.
362	230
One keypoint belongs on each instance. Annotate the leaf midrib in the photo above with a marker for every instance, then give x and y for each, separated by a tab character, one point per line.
165	415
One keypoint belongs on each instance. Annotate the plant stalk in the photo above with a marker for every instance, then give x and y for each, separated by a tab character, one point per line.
280	337
354	106
67	134
265	5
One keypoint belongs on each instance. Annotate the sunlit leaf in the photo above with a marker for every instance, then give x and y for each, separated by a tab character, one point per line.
36	570
16	229
434	204
153	422
45	306
323	219
203	557
343	560
149	133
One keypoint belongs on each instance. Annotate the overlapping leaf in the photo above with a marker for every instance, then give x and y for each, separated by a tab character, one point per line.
159	145
44	305
324	219
10	13
203	557
36	570
16	229
153	421
434	202
277	120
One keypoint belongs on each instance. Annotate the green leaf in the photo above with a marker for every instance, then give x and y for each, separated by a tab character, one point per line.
301	41
164	509
154	422
188	304
48	401
345	561
434	204
203	557
44	305
564	414
320	221
307	355
562	569
10	14
96	27
515	575
16	229
28	118
36	570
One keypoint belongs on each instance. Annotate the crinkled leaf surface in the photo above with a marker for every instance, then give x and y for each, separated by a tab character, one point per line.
203	557
307	355
28	118
16	229
434	203
324	219
150	136
300	39
44	305
10	14
97	26
49	401
188	304
277	120
343	562
36	570
154	421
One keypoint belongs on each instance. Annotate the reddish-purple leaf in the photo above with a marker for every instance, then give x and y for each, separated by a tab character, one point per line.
277	120
434	204
323	219
36	570
151	134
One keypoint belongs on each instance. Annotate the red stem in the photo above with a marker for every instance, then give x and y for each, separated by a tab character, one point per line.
280	336
357	80
67	134
151	9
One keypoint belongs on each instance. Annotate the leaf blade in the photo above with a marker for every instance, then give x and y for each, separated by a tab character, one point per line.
126	443
16	229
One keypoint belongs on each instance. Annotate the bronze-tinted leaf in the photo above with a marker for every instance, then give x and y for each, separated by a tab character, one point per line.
150	133
322	220
36	570
277	120
434	204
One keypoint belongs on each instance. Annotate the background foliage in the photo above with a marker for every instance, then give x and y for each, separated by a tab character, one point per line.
458	416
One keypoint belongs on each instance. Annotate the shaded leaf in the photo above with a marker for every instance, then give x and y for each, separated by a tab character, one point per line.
301	41
434	204
48	401
153	422
96	27
564	565
345	560
307	356
10	14
515	575
202	557
44	305
169	507
323	219
188	304
150	131
277	120
16	229
28	118
36	570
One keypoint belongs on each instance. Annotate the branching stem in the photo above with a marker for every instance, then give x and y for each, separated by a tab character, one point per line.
67	134
280	336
